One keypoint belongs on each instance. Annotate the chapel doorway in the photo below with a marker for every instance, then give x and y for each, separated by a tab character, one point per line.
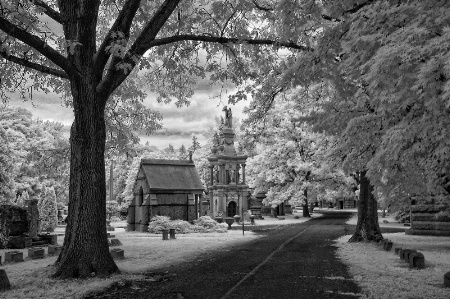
232	209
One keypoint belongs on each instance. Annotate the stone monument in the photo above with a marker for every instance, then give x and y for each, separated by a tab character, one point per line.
227	188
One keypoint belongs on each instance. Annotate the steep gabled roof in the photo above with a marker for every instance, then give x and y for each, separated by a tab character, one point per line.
171	175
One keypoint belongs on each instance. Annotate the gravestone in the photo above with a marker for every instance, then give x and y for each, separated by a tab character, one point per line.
416	260
36	253
165	234
114	242
54	249
172	233
397	250
14	256
388	245
447	279
15	222
117	253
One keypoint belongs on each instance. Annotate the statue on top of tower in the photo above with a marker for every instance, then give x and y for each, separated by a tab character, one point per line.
228	117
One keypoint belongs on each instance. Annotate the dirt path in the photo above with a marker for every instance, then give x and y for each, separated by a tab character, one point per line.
294	261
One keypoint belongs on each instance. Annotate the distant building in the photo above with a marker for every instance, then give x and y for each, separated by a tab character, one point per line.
167	188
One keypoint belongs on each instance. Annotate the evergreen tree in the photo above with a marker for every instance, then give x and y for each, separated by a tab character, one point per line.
7	169
48	208
182	153
195	144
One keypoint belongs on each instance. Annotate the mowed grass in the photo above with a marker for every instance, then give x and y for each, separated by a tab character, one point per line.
382	274
144	252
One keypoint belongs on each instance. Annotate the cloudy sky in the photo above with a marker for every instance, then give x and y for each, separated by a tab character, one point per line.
178	124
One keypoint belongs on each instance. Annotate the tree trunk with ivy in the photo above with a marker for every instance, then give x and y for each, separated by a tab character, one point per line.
367	227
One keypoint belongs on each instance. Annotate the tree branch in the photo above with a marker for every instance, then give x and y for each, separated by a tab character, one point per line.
33	65
55	15
222	40
36	43
262	7
122	24
115	77
357	7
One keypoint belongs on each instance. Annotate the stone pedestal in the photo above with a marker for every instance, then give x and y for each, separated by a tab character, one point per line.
447	279
54	249
36	253
117	253
165	234
172	233
14	256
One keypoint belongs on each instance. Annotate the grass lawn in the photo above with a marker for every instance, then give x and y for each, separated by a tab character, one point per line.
143	253
382	274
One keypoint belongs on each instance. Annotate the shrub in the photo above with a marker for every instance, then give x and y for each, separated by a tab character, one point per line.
443	216
47	206
202	225
206	224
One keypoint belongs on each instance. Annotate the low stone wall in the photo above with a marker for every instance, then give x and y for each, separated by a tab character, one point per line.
428	220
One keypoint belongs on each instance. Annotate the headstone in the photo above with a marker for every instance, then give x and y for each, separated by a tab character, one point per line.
51	238
405	254
54	249
397	250
110	228
447	279
36	253
114	242
281	218
388	246
4	281
172	233
117	253
165	234
14	256
416	260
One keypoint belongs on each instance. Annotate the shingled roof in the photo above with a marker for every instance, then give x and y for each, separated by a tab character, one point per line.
171	175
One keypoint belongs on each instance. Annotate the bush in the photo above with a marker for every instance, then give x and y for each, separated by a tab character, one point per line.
202	225
443	216
206	224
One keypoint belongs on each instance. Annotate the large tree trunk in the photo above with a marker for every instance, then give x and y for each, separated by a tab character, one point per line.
86	252
305	206
367	228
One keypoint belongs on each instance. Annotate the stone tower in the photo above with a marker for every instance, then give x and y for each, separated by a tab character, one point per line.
227	188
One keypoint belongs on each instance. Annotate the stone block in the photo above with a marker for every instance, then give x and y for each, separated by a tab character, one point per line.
447	279
406	253
114	242
172	233
281	218
4	281
36	253
388	246
111	236
397	250
50	238
165	234
54	249
117	253
416	260
110	228
14	256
